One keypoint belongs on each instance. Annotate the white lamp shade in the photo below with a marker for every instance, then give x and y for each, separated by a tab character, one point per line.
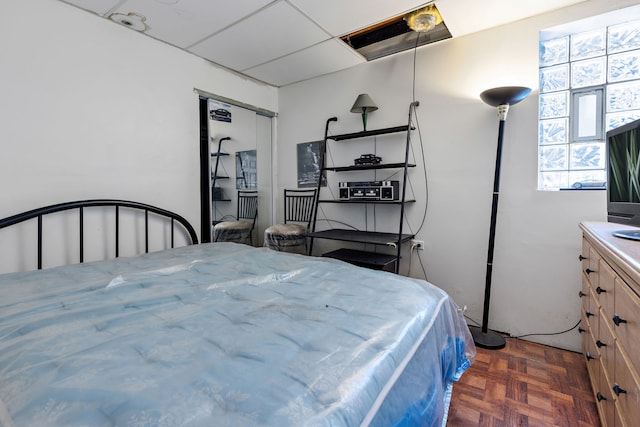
364	104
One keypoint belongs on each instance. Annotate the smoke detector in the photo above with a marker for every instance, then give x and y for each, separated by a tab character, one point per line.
132	20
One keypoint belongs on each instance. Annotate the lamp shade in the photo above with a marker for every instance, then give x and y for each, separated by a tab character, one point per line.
364	104
508	95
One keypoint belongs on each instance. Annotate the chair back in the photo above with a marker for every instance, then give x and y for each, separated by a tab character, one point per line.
247	205
299	206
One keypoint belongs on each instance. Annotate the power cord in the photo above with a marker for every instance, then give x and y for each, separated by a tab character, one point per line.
526	335
548	333
469	318
417	126
414	247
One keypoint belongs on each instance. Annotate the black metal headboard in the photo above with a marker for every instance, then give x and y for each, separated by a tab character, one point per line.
117	204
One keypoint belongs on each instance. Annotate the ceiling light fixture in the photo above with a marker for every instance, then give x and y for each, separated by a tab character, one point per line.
423	19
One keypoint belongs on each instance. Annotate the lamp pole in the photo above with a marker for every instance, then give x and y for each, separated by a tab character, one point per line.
502	98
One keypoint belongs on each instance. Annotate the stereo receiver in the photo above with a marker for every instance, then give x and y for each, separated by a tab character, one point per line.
369	190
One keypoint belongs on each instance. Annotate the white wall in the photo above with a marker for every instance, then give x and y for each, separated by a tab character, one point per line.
94	110
536	274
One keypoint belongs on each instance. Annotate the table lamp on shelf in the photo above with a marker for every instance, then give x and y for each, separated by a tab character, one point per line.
364	105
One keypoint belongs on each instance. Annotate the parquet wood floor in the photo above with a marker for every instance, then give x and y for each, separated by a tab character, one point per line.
524	385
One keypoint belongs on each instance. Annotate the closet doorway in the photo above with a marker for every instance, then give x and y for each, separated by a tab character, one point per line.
235	155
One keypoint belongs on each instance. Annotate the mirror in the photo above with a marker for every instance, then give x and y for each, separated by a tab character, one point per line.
246	170
241	158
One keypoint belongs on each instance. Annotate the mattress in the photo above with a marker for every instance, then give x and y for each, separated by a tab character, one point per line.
224	334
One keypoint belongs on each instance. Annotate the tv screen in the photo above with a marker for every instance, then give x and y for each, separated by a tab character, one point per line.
623	174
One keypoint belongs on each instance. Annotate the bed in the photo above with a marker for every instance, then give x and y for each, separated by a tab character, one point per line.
224	334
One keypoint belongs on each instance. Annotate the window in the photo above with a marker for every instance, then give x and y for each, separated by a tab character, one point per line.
589	84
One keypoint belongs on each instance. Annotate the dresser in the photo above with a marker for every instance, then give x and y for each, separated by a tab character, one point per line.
610	323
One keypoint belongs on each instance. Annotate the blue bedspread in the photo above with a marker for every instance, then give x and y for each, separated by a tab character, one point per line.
226	335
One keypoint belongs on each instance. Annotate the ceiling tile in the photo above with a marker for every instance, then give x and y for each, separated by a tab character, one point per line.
271	33
491	13
285	41
341	17
326	57
101	7
185	22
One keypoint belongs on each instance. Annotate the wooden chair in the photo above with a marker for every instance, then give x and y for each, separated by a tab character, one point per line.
239	230
291	236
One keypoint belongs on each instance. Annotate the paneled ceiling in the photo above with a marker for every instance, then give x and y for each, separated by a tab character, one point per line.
285	41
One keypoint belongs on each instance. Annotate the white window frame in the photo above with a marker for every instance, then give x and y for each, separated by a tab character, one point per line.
577	143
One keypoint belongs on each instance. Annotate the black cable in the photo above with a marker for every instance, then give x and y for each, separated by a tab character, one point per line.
532	334
473	321
549	333
424	171
415	52
424	271
417	126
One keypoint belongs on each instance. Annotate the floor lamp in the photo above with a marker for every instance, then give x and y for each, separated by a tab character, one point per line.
501	97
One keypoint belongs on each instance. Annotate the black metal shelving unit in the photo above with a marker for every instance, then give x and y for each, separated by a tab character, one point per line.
375	260
215	176
217	193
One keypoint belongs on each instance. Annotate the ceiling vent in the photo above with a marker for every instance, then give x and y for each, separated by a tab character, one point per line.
396	34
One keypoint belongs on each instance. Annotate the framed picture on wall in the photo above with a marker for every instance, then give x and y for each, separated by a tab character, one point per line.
309	164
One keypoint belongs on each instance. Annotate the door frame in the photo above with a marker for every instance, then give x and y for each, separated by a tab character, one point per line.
205	156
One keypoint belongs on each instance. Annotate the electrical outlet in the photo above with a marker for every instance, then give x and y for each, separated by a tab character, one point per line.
418	244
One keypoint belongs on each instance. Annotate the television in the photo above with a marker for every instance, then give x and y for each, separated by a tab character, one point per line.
623	175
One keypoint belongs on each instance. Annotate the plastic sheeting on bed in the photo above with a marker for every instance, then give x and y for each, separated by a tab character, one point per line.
226	335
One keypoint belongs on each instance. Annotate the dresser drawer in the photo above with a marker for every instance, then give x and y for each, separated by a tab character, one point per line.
611	335
606	344
605	399
605	289
592	267
626	390
592	357
618	420
592	312
585	255
584	328
626	319
585	294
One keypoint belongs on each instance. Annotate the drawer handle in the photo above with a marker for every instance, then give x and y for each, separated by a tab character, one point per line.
618	390
581	294
589	271
600	397
581	258
600	344
590	356
580	330
618	320
589	314
599	290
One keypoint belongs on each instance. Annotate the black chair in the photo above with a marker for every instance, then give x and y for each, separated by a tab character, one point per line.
239	230
299	206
